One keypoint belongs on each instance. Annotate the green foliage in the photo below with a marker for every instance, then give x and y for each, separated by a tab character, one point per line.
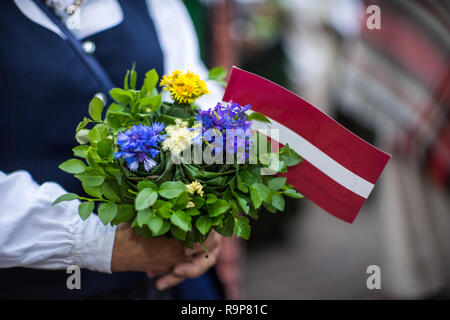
65	197
242	227
73	166
145	198
182	220
258	117
218	74
171	189
107	212
85	209
158	203
96	109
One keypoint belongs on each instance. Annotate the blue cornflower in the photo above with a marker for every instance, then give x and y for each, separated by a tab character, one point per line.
140	145
226	117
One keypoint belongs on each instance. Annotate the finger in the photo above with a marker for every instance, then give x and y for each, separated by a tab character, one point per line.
198	266
196	249
211	243
168	281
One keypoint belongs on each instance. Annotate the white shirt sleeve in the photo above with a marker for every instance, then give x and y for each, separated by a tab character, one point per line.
179	43
35	234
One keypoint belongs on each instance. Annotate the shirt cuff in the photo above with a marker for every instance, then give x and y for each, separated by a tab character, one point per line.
94	245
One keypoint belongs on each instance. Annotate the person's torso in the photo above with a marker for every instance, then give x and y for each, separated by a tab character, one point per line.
45	88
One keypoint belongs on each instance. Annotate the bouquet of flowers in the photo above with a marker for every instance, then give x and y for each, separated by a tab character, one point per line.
172	169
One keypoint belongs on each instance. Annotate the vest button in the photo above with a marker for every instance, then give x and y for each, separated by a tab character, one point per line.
88	47
101	96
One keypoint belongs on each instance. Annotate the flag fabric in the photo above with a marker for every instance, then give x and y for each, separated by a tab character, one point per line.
339	169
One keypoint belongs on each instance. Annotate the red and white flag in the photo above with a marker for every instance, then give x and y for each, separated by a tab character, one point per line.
339	169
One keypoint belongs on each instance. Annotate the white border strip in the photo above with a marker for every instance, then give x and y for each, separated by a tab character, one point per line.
317	158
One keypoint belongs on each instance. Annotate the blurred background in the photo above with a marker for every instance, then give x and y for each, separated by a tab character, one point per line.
390	86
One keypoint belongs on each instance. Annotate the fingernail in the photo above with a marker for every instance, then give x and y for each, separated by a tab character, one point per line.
178	272
161	286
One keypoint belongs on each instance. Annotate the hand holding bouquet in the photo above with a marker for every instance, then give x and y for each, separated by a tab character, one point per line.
172	169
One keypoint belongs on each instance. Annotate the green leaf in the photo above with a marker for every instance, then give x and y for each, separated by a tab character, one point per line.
133	79
111	191
217	74
142	216
241	185
242	227
73	166
219	207
98	133
165	227
155	223
178	233
249	178
253	213
269	207
80	151
152	78
218	181
82	124
96	109
145	199
126	82
93	160
125	214
193	212
65	197
171	189
258	117
147	184
203	224
163	208
293	194
182	200
227	226
148	104
182	220
121	96
198	201
210	198
243	203
107	212
90	179
289	156
85	209
274	162
278	202
259	193
277	183
104	149
93	191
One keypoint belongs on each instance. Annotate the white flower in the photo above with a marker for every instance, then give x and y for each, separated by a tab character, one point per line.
179	137
190	204
194	187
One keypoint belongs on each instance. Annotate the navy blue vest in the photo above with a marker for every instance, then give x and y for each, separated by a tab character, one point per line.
44	91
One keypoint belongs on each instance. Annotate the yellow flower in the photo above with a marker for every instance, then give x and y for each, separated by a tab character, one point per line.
184	87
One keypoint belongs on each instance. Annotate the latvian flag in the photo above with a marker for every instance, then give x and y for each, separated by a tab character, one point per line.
339	169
